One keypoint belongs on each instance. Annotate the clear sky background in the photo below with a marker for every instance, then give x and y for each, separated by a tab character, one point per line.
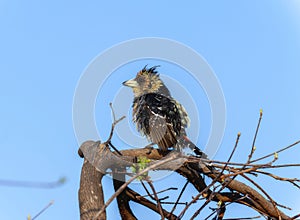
252	46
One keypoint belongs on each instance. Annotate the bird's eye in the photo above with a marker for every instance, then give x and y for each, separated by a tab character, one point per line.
140	80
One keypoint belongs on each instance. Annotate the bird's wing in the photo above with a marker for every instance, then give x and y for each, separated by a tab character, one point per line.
158	117
161	132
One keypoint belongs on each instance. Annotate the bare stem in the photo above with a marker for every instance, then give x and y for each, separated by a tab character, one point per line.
157	200
272	154
180	194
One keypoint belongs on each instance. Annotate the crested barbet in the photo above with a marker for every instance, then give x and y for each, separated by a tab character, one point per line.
157	114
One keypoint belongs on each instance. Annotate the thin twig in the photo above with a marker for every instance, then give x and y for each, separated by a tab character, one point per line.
161	191
255	136
236	173
291	180
247	218
225	163
232	152
43	210
199	210
113	124
258	166
156	198
272	154
147	191
180	194
115	149
172	203
283	206
280	165
112	130
296	216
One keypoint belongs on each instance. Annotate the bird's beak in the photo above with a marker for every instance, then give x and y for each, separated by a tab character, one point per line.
131	83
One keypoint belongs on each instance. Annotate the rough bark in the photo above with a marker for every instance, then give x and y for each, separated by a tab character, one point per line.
90	193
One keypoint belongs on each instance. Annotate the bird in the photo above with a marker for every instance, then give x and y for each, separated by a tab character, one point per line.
157	115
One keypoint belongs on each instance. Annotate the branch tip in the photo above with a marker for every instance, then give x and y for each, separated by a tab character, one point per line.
261	112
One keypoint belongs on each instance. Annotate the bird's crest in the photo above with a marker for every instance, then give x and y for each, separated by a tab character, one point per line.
151	70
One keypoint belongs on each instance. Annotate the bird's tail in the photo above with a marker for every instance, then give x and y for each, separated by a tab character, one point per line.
185	143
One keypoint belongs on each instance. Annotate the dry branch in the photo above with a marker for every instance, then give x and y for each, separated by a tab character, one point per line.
91	197
192	169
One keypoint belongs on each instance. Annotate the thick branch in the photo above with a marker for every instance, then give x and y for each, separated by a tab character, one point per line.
90	193
122	199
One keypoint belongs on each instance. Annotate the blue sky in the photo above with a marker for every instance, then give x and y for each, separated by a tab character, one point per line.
252	46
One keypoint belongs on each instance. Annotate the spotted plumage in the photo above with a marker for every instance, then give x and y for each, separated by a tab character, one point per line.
156	114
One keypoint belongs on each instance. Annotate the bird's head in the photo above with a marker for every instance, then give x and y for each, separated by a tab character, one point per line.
147	81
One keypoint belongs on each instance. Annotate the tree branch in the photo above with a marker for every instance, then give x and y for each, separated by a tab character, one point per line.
91	197
191	168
